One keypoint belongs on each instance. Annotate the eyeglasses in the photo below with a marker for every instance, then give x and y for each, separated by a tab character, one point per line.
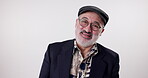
84	23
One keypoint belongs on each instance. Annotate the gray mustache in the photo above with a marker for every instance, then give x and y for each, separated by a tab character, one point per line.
83	31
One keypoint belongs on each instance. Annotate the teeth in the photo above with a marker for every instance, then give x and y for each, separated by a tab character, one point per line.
87	34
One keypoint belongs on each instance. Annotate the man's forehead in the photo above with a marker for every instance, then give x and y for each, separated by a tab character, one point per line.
91	16
90	13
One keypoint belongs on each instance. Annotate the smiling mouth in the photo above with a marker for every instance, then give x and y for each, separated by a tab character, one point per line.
86	36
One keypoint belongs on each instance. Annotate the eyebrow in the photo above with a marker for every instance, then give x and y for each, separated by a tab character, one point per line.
84	18
97	22
93	22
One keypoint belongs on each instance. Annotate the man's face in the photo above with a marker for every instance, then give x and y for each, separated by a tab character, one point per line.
89	27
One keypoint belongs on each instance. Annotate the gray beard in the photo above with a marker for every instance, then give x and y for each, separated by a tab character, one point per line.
86	43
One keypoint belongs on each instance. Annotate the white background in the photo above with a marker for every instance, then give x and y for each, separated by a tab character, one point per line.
28	26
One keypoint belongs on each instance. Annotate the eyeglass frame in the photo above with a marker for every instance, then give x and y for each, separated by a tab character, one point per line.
91	24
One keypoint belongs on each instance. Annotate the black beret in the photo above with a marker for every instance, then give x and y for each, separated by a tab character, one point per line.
95	9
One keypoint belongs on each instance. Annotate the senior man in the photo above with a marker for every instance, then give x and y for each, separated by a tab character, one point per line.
82	57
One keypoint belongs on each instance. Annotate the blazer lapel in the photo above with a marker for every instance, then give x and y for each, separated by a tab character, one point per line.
98	66
65	59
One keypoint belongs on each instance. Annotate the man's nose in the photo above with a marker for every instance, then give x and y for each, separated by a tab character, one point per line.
88	28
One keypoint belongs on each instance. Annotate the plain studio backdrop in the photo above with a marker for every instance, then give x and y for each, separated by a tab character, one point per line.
28	26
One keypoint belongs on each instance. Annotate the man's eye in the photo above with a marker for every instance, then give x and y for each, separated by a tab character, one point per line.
96	26
84	21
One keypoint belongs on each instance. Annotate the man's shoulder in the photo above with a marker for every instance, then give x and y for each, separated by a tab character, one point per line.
57	47
62	43
108	52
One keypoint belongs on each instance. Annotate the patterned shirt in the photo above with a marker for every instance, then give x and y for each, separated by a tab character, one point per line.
81	66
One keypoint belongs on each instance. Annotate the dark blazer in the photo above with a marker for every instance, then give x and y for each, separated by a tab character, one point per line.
58	59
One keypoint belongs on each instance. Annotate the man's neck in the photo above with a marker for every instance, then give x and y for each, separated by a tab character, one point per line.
84	50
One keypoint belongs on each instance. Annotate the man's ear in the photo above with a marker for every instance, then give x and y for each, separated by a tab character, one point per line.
76	22
102	31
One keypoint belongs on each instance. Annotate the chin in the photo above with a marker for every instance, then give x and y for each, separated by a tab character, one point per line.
86	42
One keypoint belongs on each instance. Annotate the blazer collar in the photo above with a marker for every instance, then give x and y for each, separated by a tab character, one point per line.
65	59
98	65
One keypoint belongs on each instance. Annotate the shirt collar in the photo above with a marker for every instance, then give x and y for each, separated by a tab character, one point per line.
93	50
